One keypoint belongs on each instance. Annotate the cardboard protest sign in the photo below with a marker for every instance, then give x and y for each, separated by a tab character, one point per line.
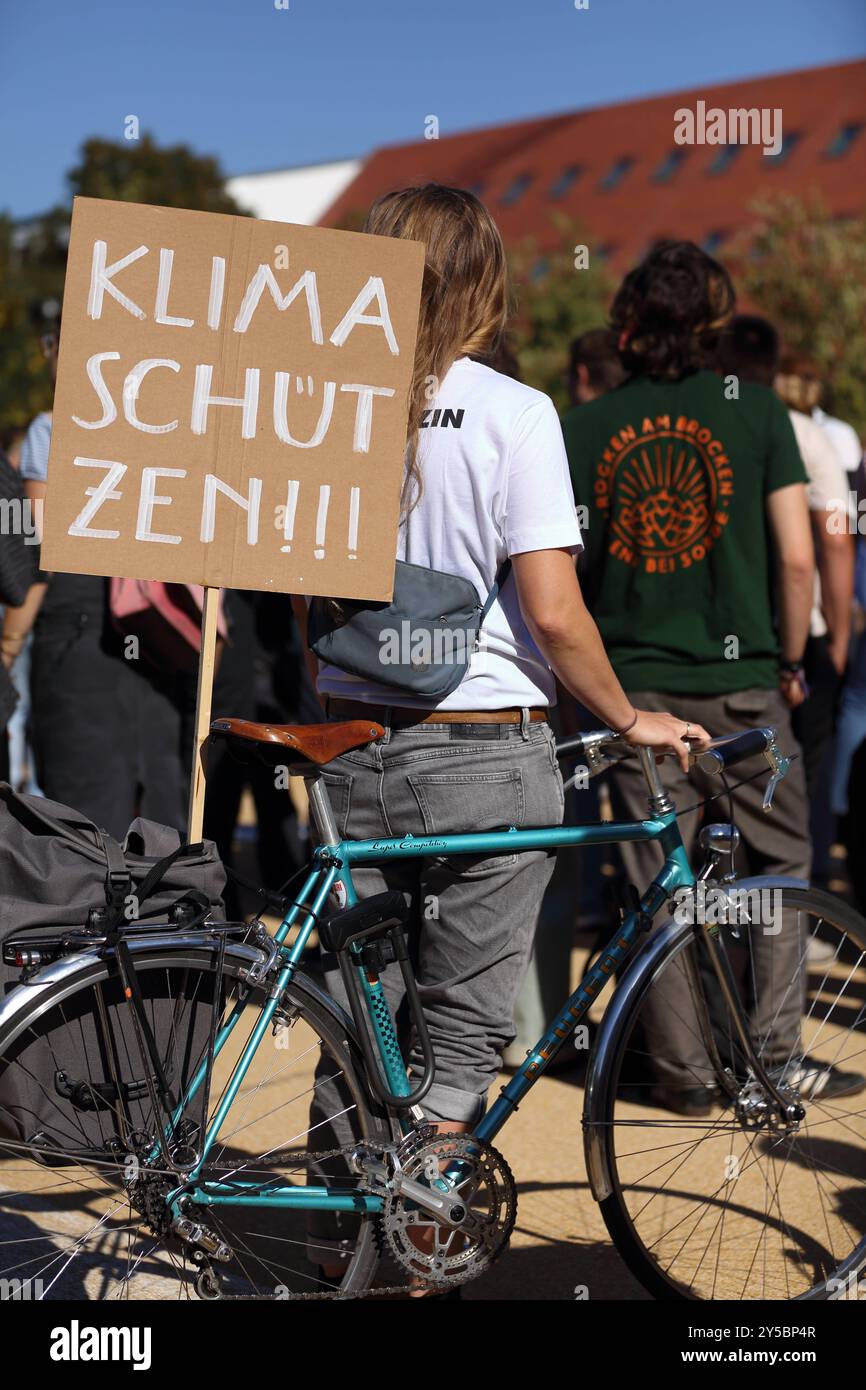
231	402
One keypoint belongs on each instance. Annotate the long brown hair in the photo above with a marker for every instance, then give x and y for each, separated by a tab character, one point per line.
464	293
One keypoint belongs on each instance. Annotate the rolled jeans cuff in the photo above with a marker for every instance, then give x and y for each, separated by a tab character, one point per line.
443	1103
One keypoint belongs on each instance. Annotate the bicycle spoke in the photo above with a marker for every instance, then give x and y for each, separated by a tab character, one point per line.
76	1221
750	1231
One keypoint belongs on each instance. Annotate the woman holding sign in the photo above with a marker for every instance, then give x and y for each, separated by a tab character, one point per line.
486	483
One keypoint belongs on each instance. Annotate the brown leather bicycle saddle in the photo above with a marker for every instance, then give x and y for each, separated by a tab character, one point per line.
314	743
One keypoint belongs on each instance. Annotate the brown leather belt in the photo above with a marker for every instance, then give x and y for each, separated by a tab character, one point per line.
400	715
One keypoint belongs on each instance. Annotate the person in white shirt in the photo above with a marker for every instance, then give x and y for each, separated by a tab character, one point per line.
826	656
843	437
828	502
486	481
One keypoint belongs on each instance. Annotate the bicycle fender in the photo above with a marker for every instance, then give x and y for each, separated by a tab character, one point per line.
66	969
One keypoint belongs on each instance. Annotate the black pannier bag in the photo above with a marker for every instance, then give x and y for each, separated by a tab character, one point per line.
65	1084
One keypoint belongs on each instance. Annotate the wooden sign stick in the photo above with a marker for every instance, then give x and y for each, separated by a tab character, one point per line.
203	701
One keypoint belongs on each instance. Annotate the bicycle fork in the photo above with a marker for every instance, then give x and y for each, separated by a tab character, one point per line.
789	1112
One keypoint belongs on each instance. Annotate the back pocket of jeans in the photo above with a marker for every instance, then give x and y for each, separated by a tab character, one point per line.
466	803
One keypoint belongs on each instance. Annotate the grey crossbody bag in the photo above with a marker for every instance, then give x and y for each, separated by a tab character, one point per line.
420	643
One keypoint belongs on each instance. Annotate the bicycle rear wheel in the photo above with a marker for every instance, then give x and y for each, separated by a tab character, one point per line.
82	1212
717	1203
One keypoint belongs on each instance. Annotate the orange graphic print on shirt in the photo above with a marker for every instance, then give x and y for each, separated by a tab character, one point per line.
666	488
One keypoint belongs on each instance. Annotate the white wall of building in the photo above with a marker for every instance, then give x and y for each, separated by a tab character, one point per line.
293	195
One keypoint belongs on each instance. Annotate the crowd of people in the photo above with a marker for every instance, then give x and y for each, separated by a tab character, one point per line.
718	499
762	591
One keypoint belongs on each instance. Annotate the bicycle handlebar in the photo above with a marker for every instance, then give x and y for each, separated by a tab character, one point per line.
719	753
600	747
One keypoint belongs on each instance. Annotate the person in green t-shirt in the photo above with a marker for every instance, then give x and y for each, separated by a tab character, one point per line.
696	532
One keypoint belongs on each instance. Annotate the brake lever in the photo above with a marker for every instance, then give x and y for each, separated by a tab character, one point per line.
779	765
770	790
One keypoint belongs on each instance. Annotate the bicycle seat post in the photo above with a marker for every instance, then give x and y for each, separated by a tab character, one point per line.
321	814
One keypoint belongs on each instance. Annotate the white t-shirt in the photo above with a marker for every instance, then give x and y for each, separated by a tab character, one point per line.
495	484
34	450
827	489
843	437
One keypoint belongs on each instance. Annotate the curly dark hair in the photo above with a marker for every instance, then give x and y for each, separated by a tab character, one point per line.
669	310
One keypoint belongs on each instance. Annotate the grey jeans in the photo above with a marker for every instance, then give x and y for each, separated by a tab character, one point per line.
472	918
472	921
775	843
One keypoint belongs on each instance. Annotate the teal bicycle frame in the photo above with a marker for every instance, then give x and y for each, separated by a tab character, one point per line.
333	863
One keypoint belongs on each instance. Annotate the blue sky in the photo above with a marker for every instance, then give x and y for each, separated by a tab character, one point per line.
263	88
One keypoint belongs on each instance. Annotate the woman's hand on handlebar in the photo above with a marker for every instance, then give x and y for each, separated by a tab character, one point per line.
665	734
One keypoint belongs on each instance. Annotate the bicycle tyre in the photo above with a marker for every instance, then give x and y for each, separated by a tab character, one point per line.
600	1125
299	997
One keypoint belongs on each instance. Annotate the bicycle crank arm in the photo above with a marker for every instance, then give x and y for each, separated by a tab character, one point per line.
447	1207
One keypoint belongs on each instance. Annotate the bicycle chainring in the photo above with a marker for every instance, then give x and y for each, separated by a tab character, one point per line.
438	1254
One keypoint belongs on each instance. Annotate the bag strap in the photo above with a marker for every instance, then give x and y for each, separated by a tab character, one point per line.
118	879
119	883
501	576
159	870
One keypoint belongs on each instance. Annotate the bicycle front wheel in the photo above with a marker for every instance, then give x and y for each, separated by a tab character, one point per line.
82	1195
704	1193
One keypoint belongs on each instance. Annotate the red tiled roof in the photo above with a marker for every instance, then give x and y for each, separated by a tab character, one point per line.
816	104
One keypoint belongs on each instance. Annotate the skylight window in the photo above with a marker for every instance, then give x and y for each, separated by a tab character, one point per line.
843	140
668	167
616	173
723	160
515	190
789	144
713	240
565	181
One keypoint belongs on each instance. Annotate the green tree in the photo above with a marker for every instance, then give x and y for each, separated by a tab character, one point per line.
33	257
138	171
806	271
555	300
31	289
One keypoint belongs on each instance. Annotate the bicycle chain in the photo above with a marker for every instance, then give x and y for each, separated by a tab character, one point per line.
413	1146
299	1156
309	1297
422	1135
